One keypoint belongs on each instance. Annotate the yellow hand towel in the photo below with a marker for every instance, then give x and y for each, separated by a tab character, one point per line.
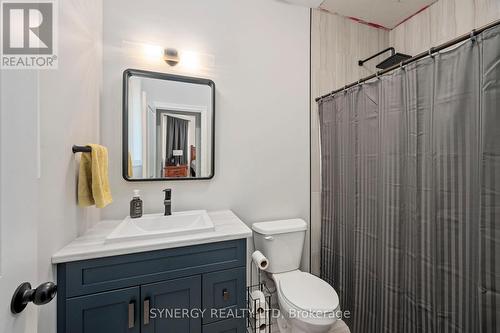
93	180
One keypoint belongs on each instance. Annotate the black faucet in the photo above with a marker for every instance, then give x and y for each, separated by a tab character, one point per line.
168	201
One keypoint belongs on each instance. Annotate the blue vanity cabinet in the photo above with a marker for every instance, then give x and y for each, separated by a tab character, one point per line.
224	294
156	291
226	326
113	311
163	302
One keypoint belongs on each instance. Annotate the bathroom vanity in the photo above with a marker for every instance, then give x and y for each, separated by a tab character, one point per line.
183	284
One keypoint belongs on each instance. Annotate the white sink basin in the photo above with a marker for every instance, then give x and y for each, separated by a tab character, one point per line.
158	226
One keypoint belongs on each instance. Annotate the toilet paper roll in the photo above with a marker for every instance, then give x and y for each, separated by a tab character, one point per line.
259	304
260	323
260	261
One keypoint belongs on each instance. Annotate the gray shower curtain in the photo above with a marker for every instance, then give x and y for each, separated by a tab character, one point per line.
177	137
410	233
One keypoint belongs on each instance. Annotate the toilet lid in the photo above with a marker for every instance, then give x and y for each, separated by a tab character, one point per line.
308	293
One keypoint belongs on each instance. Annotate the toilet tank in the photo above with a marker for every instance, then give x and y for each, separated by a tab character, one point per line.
281	242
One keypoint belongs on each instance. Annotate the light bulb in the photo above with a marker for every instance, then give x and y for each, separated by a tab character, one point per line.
152	52
190	61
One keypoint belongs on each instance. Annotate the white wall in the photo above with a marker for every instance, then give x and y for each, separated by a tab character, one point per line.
43	114
261	72
69	114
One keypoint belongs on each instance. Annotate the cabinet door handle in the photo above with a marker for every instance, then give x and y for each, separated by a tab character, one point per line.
131	314
225	295
146	311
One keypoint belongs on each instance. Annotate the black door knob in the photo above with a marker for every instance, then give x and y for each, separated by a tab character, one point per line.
23	295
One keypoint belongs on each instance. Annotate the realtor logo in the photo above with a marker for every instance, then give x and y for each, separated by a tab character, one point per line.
28	35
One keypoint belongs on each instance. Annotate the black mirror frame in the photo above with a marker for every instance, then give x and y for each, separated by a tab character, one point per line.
161	76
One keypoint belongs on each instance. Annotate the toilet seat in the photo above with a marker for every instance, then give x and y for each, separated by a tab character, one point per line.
306	292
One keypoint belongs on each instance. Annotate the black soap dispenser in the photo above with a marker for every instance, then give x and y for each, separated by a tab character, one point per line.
136	205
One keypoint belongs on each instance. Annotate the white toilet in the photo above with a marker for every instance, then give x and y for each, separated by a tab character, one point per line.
308	304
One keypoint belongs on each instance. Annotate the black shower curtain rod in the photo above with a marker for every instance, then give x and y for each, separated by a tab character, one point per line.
431	51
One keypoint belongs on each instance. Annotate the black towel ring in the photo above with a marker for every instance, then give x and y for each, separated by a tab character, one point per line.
81	149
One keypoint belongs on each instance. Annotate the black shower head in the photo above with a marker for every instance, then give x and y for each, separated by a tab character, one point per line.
393	60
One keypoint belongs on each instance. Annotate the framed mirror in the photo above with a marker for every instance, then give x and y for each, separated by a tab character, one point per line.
168	127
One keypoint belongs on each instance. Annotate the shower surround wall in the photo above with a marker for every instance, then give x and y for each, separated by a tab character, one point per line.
337	43
441	22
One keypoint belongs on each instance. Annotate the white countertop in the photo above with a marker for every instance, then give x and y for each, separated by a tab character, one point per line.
91	245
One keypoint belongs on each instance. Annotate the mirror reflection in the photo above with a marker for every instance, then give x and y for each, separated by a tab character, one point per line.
169	126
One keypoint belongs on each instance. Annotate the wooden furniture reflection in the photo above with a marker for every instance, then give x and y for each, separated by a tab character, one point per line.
193	153
192	164
175	171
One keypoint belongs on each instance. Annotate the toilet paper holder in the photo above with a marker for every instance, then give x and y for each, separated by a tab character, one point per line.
259	309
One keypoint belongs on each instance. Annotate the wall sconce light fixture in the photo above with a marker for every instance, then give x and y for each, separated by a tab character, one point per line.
182	60
171	57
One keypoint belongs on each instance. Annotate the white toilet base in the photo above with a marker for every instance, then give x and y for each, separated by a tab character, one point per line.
289	322
283	325
293	325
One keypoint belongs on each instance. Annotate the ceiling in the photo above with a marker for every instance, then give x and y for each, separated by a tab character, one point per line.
305	3
384	13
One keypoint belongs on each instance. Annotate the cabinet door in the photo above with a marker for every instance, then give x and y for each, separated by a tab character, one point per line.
108	312
226	326
224	294
172	306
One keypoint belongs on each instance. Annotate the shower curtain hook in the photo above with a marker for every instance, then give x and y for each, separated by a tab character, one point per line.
431	51
376	75
473	35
